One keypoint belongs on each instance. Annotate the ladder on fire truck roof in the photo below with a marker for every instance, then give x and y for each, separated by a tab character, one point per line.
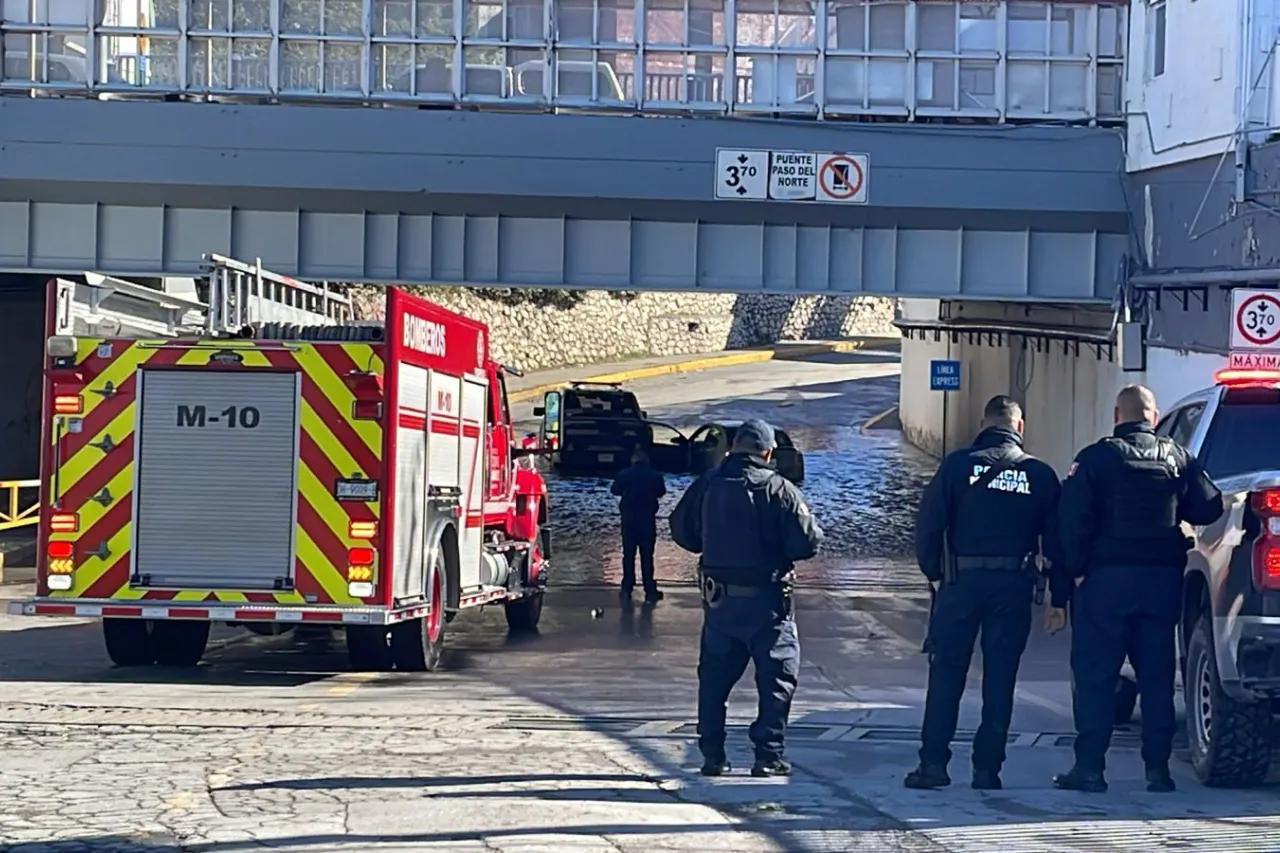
243	296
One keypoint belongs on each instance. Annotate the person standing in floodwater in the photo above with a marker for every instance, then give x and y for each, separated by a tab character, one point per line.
639	488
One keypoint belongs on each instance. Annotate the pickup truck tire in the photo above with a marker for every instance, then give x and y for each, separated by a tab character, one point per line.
128	642
1230	741
179	642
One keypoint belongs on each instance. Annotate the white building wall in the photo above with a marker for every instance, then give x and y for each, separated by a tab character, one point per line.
919	409
1185	93
1068	400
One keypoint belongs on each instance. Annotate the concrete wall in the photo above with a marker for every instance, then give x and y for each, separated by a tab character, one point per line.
538	329
920	410
1067	398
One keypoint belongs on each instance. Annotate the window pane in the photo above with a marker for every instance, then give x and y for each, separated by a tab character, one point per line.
300	66
936	23
665	23
777	80
888	26
883	82
1068	85
685	78
977	85
63	12
1069	30
977	27
574	80
1111	30
1028	28
1110	90
935	83
1025	87
407	18
1158	52
397	67
124	60
342	67
300	16
761	23
235	64
485	70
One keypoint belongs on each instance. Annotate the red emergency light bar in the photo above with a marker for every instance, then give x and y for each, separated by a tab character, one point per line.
1251	376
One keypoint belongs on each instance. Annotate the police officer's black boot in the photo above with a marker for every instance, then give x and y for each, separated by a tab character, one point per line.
771	767
1079	780
1159	781
926	777
986	780
716	765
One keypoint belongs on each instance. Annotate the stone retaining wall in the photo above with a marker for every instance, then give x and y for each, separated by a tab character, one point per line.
536	329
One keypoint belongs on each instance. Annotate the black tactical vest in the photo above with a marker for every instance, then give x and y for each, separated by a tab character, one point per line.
1141	499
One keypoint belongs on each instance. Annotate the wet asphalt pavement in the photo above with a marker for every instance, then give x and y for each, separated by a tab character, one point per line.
862	487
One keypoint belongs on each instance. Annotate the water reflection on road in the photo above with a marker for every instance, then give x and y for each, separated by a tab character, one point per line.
863	488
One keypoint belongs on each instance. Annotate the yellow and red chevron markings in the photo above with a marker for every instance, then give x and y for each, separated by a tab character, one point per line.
95	476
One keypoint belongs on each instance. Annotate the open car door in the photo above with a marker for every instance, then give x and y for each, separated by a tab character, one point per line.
551	412
668	448
787	458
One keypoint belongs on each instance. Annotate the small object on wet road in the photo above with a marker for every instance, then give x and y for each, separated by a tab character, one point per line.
597	612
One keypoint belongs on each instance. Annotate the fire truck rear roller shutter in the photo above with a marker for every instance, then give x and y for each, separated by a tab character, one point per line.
216	486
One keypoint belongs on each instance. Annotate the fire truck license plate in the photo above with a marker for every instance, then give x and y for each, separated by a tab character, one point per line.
356	490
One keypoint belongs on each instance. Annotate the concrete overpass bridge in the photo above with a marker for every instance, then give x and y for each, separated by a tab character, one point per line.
571	143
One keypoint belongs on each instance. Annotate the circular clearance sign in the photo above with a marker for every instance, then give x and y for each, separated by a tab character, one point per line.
1257	320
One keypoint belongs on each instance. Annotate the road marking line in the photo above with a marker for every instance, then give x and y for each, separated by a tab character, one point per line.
352	681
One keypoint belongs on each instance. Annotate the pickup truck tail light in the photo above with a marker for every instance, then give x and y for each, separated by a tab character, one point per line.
1266	549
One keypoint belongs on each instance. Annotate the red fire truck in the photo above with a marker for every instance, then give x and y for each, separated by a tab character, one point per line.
355	477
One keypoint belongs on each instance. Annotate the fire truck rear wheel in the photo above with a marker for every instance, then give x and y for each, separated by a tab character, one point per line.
367	648
418	644
523	615
179	643
128	642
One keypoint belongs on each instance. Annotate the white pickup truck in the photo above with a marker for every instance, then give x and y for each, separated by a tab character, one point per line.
1229	633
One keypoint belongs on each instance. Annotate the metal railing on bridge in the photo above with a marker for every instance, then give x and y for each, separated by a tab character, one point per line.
1002	61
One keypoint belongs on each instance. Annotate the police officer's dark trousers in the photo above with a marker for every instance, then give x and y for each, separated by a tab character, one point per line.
1119	611
639	534
996	602
756	627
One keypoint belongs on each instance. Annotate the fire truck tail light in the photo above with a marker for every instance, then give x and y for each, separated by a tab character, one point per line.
1273	525
1266	502
367	410
68	404
360	569
360	589
362	529
60	550
64	523
61	567
360	556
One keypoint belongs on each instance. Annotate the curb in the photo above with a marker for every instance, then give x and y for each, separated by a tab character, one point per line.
706	362
870	423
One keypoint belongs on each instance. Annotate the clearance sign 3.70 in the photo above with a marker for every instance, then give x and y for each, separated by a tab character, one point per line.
1255	329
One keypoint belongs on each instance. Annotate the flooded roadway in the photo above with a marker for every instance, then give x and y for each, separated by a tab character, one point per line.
863	487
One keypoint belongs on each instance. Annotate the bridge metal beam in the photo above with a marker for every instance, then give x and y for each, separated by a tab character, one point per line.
565	252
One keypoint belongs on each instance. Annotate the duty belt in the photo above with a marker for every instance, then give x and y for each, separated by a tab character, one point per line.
1006	564
714	591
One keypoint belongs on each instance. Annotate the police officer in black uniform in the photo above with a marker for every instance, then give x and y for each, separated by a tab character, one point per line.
639	488
1121	509
988	511
750	526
